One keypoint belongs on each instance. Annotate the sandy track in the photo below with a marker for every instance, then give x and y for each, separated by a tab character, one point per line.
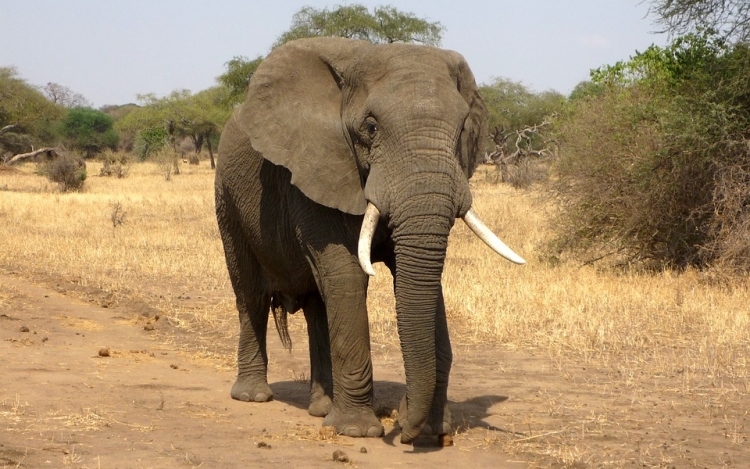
149	406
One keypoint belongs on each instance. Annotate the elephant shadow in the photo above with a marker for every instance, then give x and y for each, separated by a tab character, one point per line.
468	414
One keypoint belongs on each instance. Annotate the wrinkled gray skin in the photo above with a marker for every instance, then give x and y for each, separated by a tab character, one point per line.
329	125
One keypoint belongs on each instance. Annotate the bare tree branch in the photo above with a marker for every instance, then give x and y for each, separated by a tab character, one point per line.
7	128
523	144
51	153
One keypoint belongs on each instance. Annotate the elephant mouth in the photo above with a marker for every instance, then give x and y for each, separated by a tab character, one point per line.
472	220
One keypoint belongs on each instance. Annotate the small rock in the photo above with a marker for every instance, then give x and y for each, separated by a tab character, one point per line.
340	456
174	367
263	444
24	329
363	450
104	352
149	327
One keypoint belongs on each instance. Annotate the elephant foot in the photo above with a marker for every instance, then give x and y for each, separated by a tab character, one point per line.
320	405
251	390
354	423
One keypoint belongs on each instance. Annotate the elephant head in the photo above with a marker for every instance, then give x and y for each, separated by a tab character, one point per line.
392	130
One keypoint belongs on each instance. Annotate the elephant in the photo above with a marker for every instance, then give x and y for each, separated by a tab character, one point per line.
346	153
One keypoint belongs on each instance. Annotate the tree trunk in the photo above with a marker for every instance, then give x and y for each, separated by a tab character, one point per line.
210	151
197	139
170	132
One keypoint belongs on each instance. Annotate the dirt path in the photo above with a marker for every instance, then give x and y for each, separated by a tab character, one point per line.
147	405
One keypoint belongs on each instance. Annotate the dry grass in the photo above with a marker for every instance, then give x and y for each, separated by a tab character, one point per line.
168	234
638	326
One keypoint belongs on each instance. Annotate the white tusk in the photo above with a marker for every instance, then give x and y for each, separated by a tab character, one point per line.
485	234
372	214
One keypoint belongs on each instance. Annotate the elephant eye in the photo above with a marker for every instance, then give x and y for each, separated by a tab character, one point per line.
372	127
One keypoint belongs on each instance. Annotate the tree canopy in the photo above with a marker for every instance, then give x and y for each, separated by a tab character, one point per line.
382	25
64	96
26	116
513	106
89	130
180	114
729	18
237	77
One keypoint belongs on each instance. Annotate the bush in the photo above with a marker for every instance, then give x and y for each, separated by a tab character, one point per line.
114	164
656	168
149	141
168	161
67	170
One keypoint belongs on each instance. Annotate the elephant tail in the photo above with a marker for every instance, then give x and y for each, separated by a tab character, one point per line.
280	315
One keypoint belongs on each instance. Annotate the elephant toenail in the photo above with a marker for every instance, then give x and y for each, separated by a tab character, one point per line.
262	397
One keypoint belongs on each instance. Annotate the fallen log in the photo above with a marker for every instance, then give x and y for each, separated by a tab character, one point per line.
50	151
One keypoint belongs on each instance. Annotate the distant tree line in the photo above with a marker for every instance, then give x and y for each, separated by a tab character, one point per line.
650	157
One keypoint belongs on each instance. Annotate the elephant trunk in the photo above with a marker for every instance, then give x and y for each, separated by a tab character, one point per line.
420	245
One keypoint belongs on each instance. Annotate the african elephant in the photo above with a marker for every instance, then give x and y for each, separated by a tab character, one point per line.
346	152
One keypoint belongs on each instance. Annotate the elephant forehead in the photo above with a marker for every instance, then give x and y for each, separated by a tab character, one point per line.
419	95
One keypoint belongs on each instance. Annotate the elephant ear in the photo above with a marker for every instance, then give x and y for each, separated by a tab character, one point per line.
293	118
474	133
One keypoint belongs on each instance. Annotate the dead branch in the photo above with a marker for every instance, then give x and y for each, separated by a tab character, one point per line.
523	144
51	153
7	128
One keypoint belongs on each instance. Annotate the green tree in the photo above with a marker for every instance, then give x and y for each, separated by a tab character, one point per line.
237	78
382	25
26	116
513	107
180	114
730	18
89	130
586	89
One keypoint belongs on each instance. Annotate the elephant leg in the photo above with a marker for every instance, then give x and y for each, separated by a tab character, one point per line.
252	358
344	290
321	379
253	305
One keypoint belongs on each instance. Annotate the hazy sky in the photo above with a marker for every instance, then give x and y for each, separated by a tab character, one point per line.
111	50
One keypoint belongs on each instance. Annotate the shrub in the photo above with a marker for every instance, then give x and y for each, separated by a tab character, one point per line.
114	164
168	161
67	170
149	141
656	168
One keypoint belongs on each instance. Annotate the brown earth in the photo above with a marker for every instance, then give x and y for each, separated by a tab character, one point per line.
148	404
152	404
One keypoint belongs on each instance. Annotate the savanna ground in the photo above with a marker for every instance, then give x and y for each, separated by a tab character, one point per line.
556	364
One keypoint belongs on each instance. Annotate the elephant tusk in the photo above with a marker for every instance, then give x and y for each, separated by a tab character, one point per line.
490	239
372	214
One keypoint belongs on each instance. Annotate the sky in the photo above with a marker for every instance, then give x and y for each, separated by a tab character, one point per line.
112	50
